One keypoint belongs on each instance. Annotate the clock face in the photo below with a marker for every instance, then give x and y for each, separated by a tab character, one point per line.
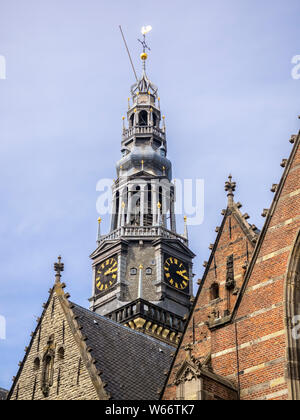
176	273
106	274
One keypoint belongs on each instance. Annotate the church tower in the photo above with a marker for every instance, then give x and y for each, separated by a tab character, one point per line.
142	269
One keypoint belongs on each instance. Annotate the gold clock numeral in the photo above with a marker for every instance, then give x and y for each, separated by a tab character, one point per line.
175	261
168	275
114	276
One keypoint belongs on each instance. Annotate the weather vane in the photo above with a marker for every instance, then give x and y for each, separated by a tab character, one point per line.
144	56
145	30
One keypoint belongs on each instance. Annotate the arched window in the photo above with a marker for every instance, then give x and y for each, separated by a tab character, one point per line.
131	121
116	215
148	216
136	206
154	119
143	118
292	299
160	197
214	291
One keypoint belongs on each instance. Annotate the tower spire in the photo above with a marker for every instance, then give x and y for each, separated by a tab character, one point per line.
230	188
144	214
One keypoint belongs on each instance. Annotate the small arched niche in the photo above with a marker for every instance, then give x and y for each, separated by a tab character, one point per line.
61	353
36	364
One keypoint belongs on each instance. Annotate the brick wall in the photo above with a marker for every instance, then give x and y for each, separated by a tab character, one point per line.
253	340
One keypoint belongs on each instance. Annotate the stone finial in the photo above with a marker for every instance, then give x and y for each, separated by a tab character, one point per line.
230	188
58	268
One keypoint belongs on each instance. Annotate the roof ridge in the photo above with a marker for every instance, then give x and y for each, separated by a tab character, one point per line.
252	229
127	329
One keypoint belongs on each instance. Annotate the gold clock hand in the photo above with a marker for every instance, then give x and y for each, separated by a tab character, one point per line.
110	271
180	273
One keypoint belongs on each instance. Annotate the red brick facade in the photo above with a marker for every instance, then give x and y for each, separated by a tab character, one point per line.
247	330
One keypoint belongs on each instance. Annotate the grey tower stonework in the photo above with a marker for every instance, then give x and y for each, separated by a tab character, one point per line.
142	269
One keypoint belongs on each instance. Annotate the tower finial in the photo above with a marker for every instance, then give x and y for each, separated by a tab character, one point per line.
145	30
186	235
230	188
99	230
58	268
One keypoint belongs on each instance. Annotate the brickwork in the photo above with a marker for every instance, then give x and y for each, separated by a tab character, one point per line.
213	391
252	340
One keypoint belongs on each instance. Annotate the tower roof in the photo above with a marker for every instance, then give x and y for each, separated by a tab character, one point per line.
144	85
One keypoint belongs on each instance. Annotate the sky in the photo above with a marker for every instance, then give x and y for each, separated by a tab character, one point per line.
224	72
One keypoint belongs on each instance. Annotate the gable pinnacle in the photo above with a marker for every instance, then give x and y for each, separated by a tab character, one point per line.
230	187
58	268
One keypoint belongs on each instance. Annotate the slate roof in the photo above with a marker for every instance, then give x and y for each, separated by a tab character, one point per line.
3	394
133	364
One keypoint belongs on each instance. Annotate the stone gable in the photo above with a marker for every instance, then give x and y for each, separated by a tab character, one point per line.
68	378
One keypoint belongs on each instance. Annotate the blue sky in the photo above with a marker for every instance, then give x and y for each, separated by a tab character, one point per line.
223	68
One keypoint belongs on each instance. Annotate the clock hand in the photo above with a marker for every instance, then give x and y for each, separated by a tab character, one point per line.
180	273
110	271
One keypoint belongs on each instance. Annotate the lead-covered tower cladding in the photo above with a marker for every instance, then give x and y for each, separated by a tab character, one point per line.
142	269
